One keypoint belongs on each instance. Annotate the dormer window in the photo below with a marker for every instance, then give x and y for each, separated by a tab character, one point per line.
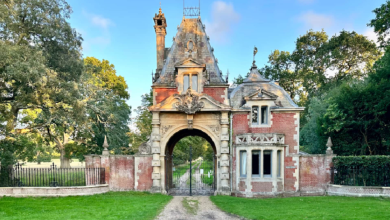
259	116
190	79
186	82
255	115
264	115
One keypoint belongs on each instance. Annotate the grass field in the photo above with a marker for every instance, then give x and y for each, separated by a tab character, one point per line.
325	207
112	205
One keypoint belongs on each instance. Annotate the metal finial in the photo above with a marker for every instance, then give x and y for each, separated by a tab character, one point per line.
254	53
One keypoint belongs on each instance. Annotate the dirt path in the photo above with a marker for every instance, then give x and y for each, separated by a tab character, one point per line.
192	207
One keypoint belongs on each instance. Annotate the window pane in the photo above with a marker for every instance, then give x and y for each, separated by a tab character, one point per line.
242	163
256	162
194	82
279	163
267	163
264	115
255	115
186	82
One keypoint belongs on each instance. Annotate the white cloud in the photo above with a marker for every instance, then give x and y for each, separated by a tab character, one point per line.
224	17
313	20
99	37
371	35
100	21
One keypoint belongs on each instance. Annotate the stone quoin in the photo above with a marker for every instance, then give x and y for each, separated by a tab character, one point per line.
253	127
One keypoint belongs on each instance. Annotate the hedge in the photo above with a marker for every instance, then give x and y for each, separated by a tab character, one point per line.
362	170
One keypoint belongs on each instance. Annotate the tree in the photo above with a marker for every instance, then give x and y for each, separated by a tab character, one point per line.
40	59
381	23
143	123
305	72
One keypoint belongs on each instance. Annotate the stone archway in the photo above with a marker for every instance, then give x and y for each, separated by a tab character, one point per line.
200	188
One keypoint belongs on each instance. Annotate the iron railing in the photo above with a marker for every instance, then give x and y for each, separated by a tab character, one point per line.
19	176
361	176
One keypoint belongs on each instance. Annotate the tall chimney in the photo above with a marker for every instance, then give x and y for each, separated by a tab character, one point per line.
160	25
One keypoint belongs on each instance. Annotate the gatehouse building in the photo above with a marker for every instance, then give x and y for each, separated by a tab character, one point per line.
252	128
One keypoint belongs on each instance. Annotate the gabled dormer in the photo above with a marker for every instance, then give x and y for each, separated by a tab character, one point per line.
190	73
261	94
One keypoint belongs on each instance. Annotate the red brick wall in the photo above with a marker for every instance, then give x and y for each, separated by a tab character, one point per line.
289	178
145	171
281	123
162	93
314	174
216	93
122	173
261	186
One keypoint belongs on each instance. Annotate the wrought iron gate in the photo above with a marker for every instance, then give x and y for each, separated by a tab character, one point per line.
196	177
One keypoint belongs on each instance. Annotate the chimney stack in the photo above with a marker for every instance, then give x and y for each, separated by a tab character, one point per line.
160	25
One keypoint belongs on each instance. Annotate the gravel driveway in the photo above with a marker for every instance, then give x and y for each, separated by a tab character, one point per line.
192	207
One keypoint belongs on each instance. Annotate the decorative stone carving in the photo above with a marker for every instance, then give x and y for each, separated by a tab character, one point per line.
189	102
145	148
214	128
165	128
270	138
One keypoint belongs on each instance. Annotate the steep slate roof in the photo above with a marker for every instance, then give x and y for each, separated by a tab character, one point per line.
255	82
191	30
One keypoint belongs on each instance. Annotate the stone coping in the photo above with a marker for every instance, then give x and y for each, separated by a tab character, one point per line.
359	191
53	191
134	155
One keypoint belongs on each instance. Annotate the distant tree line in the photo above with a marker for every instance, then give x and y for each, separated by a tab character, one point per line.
344	84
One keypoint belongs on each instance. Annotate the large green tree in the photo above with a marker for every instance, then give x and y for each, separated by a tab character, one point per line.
317	62
40	60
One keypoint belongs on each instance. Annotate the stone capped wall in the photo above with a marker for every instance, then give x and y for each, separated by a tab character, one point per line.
124	172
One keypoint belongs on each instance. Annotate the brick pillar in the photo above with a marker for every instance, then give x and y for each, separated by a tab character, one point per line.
225	187
156	150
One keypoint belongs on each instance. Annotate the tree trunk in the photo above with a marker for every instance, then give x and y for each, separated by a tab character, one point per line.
64	161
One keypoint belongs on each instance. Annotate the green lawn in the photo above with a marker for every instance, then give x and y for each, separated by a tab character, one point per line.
112	205
325	207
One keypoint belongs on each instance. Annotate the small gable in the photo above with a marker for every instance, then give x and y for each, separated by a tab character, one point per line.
261	94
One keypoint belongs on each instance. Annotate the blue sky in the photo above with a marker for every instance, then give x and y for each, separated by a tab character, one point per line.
122	31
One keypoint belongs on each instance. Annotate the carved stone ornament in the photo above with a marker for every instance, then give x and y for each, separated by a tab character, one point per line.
165	128
189	102
145	148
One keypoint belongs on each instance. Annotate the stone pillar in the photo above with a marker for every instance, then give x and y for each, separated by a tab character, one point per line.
156	164
274	161
248	189
105	161
225	187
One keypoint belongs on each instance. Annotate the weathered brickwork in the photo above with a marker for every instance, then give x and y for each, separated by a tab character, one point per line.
314	173
217	93
144	172
261	186
162	93
283	123
123	172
